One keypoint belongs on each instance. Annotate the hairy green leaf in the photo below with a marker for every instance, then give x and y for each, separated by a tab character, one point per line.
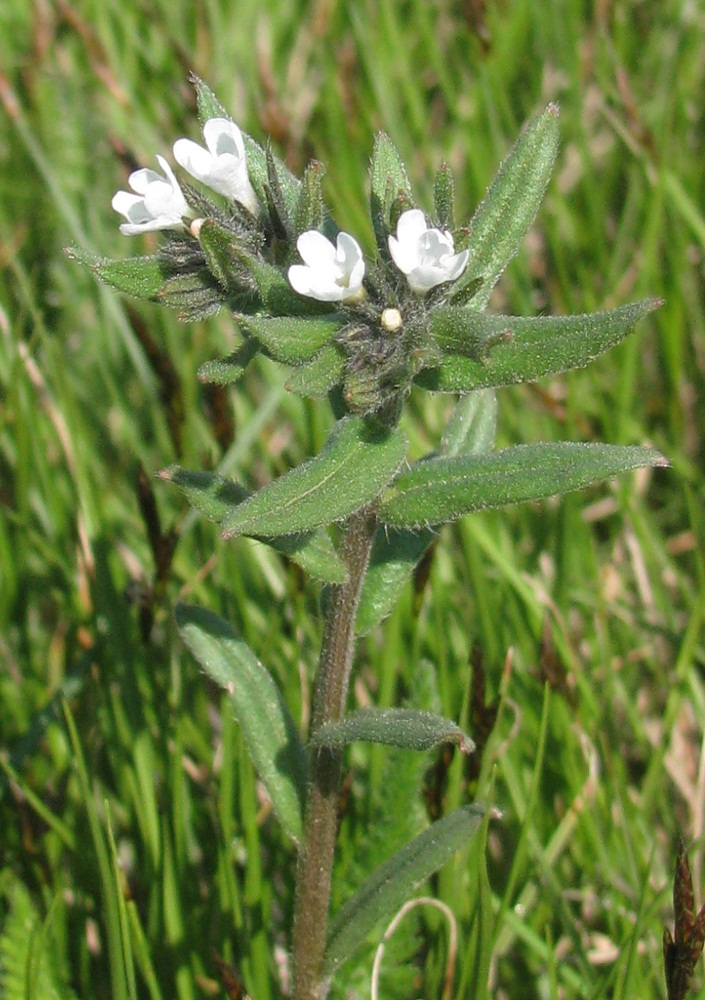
443	489
357	461
473	424
320	375
216	498
291	339
504	216
408	728
270	734
396	552
386	889
142	277
536	346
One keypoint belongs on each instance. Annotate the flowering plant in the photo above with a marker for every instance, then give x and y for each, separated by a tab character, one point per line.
359	331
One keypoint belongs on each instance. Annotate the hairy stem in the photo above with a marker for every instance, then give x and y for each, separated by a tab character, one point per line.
313	875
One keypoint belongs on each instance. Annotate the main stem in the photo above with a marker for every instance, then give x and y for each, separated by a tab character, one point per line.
315	865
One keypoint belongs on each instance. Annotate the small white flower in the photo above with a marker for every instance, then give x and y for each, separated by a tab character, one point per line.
158	202
329	273
426	256
223	165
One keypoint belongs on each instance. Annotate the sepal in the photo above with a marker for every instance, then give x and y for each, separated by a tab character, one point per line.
444	200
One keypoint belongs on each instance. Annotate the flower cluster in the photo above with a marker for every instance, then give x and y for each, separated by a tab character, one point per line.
330	272
255	239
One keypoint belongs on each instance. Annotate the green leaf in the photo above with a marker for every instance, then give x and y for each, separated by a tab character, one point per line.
388	180
319	376
216	498
538	345
443	489
142	277
408	728
357	461
510	206
394	556
194	295
224	371
396	553
271	737
385	891
473	424
293	340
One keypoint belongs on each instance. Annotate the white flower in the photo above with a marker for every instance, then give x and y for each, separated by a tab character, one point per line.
329	273
426	256
157	204
223	165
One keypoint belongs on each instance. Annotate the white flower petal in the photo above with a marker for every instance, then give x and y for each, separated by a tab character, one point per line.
223	137
223	165
316	250
425	255
158	202
195	160
329	273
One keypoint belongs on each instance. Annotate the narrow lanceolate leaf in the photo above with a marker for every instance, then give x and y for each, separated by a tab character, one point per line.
443	489
142	277
388	180
408	728
356	462
473	424
396	552
483	350
383	892
319	376
394	556
217	498
270	734
291	339
509	207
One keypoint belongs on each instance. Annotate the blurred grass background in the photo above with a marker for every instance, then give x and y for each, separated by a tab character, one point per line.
136	857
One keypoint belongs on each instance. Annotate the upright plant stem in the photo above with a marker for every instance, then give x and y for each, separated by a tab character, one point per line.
313	875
